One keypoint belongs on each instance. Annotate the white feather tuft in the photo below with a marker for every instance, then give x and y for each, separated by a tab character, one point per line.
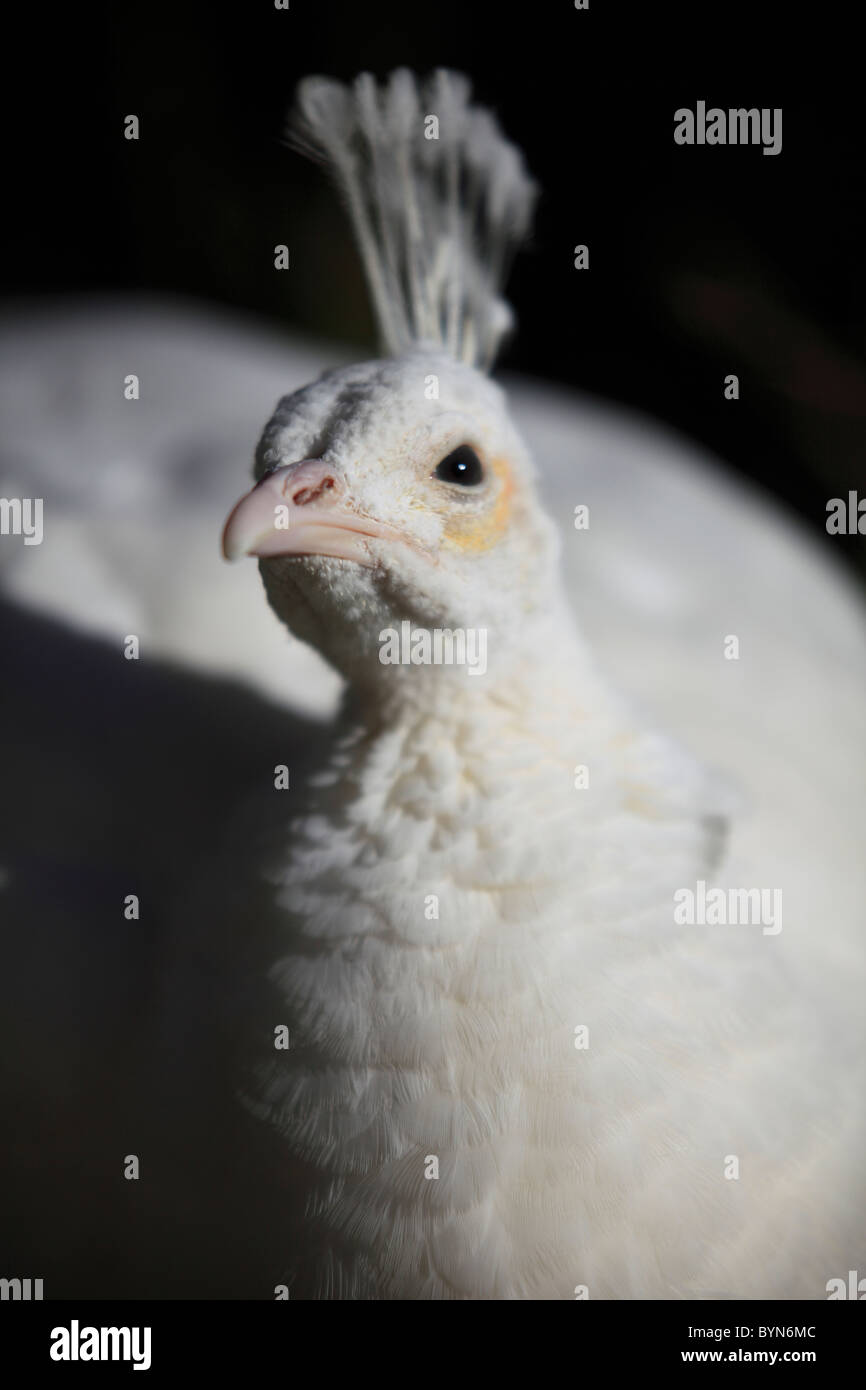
436	219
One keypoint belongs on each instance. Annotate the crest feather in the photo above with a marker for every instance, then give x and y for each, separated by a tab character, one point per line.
436	219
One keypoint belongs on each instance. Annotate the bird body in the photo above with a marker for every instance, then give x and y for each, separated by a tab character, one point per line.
456	909
457	913
484	970
516	1071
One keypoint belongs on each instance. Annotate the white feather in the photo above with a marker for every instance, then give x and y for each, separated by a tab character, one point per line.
436	219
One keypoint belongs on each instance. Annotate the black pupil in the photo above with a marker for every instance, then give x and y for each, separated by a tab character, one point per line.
462	466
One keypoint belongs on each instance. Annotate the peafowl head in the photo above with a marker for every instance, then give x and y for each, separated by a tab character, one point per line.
399	490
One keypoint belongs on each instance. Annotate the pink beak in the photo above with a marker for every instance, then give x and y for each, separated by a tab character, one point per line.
295	510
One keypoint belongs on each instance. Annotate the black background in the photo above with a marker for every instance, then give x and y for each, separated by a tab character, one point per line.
703	261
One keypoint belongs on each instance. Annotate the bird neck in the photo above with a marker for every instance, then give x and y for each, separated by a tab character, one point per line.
466	789
527	682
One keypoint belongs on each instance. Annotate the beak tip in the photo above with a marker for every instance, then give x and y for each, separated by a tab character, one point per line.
229	548
236	541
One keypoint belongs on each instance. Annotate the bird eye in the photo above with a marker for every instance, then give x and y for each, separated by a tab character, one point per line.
462	466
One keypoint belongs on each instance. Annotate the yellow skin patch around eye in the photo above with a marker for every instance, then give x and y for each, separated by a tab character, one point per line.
481	531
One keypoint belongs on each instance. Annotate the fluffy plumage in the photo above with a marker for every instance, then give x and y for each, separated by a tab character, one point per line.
455	907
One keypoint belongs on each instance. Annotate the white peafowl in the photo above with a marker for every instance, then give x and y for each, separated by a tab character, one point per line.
567	1018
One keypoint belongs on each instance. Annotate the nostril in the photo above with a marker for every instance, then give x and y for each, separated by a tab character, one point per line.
314	492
